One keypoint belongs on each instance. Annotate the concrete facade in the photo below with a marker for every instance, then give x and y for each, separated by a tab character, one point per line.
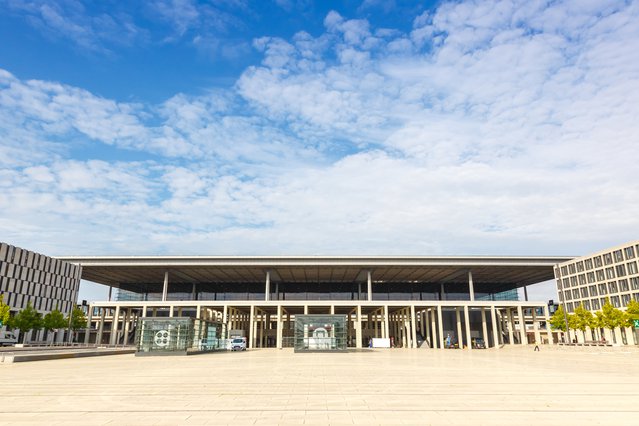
611	274
45	282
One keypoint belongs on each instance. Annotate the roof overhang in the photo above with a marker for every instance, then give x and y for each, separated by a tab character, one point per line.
499	272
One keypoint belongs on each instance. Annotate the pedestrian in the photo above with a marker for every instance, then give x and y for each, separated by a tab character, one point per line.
536	346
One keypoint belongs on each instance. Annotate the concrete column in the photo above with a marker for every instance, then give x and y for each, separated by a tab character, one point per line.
358	328
260	326
433	328
471	288
441	326
110	292
280	324
114	325
412	323
171	311
526	293
332	309
403	328
127	321
500	326
522	326
386	328
370	286
251	329
548	331
536	327
165	289
469	342
460	338
484	327
87	333
511	326
305	309
194	292
493	318
267	290
143	311
427	328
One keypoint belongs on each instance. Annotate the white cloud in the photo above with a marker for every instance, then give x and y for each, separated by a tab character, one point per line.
492	127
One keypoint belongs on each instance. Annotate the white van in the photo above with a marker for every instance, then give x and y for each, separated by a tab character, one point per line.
7	338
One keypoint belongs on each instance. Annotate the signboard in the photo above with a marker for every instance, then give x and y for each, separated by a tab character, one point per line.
381	342
636	323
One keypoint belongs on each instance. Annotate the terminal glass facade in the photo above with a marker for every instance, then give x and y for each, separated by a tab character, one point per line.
157	336
320	333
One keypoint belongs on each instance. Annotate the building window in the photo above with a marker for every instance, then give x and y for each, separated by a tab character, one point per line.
601	275
621	270
610	273
584	292
603	301
564	271
569	307
573	281
561	296
575	294
618	256
636	296
580	266
571	268
623	285
587	305
557	273
591	277
595	304
598	263
625	298
593	290
582	279
567	294
634	283
608	259
615	301
630	252
565	281
632	268
602	289
588	263
612	287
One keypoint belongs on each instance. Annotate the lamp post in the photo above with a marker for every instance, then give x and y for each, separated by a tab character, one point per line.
69	339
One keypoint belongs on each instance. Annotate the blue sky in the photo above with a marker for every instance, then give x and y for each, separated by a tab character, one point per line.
283	127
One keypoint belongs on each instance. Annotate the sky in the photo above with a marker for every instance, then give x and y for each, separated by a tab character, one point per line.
231	127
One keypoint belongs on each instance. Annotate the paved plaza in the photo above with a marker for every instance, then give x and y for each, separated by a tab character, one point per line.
513	386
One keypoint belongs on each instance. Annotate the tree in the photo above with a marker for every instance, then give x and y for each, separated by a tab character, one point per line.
632	312
597	322
27	319
78	319
581	319
54	320
612	318
5	312
558	319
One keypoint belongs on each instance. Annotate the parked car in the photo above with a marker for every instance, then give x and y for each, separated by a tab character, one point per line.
7	338
237	344
479	343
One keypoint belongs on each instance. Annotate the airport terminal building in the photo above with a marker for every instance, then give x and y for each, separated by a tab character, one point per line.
411	301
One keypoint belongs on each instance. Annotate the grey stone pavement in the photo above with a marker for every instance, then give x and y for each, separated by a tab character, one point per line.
510	386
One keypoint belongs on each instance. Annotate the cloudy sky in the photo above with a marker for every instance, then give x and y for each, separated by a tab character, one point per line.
300	127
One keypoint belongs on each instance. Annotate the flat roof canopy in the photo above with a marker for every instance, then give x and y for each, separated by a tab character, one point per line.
491	274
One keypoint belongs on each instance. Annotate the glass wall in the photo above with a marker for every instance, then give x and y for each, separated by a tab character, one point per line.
320	333
178	335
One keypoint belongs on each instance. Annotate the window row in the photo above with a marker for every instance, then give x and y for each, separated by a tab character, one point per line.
597	304
616	256
33	275
10	285
25	258
19	301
